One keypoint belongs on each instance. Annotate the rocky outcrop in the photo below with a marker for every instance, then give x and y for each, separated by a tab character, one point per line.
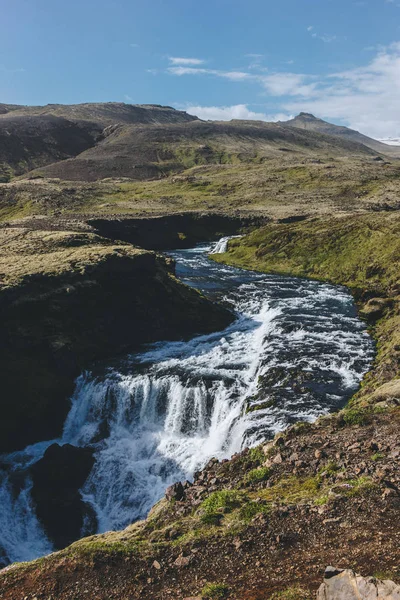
173	231
344	584
68	299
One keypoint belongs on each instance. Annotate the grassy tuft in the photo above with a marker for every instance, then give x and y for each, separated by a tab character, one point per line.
258	475
292	593
214	591
226	500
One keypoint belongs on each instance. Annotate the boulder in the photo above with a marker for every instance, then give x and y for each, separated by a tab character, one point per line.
344	584
57	479
175	492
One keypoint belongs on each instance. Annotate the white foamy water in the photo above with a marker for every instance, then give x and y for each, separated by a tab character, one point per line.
158	416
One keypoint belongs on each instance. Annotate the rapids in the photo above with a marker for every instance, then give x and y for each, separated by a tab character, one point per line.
295	351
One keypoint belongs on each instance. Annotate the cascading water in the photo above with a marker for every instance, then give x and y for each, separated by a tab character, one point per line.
297	350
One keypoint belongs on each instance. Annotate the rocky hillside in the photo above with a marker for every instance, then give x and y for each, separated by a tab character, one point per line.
68	299
35	136
310	123
30	142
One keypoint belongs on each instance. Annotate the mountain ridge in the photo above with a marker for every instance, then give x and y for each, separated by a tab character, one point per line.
309	122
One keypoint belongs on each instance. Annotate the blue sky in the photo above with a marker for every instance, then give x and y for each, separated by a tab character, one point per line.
221	59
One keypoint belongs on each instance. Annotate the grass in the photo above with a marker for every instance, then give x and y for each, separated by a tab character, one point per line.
292	593
225	500
360	486
280	185
214	591
257	475
377	456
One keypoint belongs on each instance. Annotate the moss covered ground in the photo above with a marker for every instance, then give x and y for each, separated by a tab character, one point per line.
284	187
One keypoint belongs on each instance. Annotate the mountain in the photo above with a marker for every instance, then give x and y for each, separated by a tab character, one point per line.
310	123
154	150
34	136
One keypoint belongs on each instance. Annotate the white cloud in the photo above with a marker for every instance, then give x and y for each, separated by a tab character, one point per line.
237	111
288	84
310	28
276	84
175	60
232	75
365	98
128	98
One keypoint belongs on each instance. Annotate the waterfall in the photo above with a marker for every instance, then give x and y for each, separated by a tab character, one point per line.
156	417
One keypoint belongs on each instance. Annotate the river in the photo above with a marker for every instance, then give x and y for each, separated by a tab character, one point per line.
156	417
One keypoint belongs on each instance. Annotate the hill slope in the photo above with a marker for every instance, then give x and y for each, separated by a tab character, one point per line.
152	151
28	142
104	113
310	123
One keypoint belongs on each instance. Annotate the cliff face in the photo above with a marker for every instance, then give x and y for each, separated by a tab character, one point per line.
68	299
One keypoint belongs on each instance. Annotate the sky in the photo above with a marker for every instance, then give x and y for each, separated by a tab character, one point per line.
217	59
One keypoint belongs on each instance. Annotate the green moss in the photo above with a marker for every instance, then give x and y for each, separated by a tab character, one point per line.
257	455
357	415
214	591
293	490
377	456
211	518
361	486
249	510
257	475
330	469
225	500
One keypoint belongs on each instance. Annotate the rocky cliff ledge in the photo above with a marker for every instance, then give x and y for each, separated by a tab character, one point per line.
68	299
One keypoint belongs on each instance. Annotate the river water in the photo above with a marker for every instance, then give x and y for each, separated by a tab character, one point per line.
156	417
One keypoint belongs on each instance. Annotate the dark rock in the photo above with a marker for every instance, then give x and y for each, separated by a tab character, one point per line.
175	492
57	479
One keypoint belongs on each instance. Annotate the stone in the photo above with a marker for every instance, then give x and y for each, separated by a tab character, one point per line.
346	585
182	561
156	565
175	492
